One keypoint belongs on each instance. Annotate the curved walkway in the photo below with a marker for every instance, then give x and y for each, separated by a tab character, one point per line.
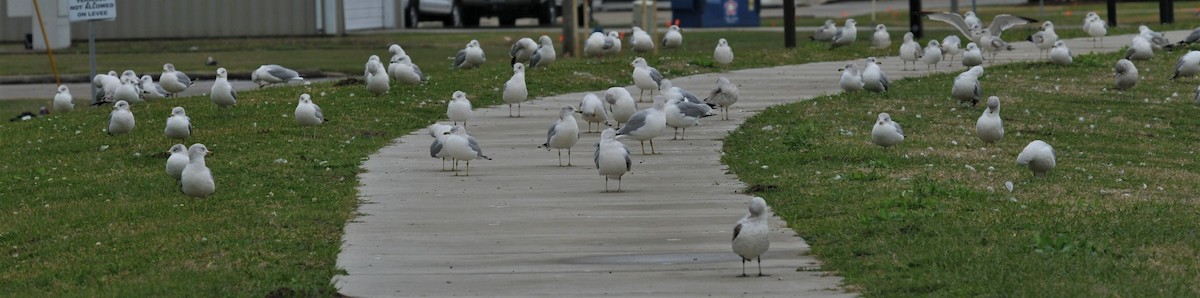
521	226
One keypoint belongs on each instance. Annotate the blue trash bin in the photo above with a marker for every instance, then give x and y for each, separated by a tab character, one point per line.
716	13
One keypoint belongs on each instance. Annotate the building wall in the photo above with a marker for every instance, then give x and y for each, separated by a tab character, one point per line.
143	19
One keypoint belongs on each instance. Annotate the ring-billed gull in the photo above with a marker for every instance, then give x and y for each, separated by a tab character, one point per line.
966	86
910	51
459	109
972	56
1095	27
682	114
179	126
951	46
988	38
396	50
1188	65
851	79
592	109
846	35
196	180
645	125
151	90
932	55
886	132
223	93
1191	38
723	54
107	84
62	100
461	146
371	59
641	41
439	132
596	44
1045	39
545	54
620	104
177	161
1125	74
613	38
881	39
726	94
752	234
1157	40
1060	54
563	133
514	90
1139	49
972	20
128	91
873	77
825	32
671	92
673	38
612	158
377	79
273	74
1038	156
308	113
645	77
172	80
522	50
990	128
120	120
404	71
469	57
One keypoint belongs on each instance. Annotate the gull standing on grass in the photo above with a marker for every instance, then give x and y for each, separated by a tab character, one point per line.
107	83
469	57
1061	54
439	132
645	77
851	80
597	44
128	91
179	126
612	158
308	113
174	81
593	111
563	133
645	125
1045	39
177	161
271	74
972	56
461	146
150	90
726	94
1188	65
120	120
613	38
910	51
846	35
825	32
988	39
545	54
989	128
1139	49
514	90
886	132
620	104
1095	27
459	109
673	38
723	54
966	86
223	94
1157	40
641	41
377	79
62	100
951	46
752	234
1125	74
196	180
932	55
404	71
1038	156
873	77
522	50
881	39
682	114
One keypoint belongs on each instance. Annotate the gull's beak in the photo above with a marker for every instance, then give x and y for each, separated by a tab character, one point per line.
209	152
841	69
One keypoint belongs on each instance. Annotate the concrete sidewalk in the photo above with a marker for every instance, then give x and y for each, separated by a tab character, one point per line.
521	226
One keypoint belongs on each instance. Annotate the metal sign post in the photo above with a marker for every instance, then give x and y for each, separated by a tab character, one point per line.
91	11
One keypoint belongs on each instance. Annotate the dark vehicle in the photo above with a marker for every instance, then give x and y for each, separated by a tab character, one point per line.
466	13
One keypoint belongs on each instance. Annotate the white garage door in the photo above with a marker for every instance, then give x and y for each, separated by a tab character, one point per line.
366	14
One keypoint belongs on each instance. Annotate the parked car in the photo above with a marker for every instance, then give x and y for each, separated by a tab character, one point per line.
466	13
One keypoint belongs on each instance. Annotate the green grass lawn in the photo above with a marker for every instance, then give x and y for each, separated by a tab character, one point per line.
89	214
932	216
